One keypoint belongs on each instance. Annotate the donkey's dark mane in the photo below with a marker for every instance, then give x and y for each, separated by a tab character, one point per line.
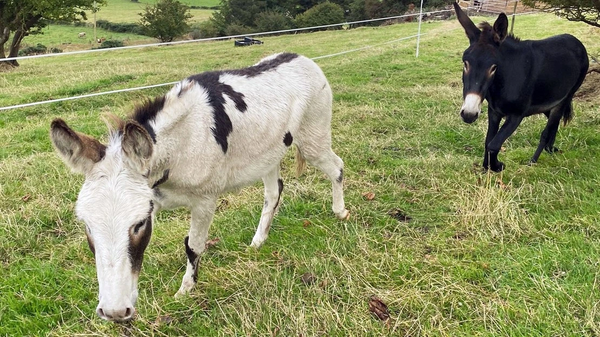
145	112
487	33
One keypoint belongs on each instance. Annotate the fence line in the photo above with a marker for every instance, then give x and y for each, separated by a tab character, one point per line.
25	105
218	38
418	35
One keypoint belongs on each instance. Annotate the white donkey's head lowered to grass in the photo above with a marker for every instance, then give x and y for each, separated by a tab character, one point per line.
116	204
213	132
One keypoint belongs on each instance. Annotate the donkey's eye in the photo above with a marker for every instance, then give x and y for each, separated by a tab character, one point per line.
493	69
140	225
466	66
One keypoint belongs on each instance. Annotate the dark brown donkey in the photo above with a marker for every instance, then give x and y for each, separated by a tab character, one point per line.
518	79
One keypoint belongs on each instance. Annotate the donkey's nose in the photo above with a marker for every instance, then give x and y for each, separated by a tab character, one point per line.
116	315
468	118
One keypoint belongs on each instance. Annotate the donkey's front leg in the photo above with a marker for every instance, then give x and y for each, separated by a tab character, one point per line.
493	147
195	242
273	187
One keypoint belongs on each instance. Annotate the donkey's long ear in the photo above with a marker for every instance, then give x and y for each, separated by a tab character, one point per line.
80	152
500	28
470	29
137	146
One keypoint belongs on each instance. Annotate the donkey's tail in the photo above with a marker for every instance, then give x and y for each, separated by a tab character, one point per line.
300	162
567	113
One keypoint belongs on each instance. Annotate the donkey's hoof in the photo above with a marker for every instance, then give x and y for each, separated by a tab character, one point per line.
343	215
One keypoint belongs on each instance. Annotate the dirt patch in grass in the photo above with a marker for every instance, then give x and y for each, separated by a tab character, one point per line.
590	88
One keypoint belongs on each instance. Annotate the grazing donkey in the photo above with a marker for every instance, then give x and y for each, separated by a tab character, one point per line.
518	79
212	132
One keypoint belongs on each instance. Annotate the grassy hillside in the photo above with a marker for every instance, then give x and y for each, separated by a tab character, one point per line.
451	250
128	11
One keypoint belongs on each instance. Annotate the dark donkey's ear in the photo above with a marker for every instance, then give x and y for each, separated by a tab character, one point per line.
500	28
80	152
470	29
137	146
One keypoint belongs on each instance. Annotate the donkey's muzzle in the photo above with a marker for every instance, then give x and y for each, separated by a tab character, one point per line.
471	108
116	315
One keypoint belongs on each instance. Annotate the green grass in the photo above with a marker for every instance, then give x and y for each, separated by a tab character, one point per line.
128	11
511	254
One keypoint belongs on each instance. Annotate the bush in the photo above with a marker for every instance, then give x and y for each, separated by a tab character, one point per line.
204	30
237	29
322	14
133	28
34	50
166	20
272	21
111	44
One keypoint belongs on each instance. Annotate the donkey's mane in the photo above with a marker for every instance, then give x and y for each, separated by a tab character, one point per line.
143	113
487	33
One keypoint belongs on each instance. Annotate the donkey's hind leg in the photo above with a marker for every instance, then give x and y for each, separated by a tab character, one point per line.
320	155
549	134
273	188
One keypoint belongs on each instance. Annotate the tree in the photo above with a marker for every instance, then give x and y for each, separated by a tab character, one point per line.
166	20
587	11
24	17
321	14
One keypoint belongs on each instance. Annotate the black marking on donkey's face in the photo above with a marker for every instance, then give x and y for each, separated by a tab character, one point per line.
192	257
146	112
288	139
139	237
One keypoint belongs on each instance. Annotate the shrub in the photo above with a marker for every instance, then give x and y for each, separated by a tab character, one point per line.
204	30
321	14
33	50
133	28
166	20
237	29
272	21
111	44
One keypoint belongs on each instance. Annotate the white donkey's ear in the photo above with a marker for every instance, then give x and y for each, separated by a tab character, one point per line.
137	146
80	152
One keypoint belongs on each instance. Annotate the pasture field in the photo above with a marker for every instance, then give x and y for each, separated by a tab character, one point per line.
128	11
451	250
67	38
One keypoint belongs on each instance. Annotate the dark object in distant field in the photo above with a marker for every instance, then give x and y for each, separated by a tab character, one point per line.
247	41
518	79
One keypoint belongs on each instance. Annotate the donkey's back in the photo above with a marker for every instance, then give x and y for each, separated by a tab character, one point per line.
236	124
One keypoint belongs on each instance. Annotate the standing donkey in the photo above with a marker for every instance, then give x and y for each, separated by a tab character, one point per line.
211	133
518	79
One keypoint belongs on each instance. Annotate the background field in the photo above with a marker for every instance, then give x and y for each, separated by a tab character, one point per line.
66	37
451	250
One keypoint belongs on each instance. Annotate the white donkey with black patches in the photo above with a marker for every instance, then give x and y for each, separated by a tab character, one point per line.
213	132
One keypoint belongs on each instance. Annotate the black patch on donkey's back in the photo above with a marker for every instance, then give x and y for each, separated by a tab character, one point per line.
264	66
147	111
288	139
192	257
216	90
